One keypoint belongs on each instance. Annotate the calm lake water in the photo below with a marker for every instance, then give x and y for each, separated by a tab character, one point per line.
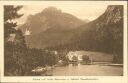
86	70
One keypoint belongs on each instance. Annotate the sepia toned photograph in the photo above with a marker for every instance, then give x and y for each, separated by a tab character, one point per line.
63	40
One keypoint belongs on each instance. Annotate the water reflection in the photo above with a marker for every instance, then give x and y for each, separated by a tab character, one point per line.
84	70
74	64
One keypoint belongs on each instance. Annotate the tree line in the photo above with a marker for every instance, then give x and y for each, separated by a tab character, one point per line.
19	59
105	34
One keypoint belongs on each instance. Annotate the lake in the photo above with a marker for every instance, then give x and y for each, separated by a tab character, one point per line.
86	70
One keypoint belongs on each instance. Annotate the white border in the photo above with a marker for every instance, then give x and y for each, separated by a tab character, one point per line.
101	79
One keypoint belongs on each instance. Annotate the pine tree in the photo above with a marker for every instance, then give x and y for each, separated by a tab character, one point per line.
14	43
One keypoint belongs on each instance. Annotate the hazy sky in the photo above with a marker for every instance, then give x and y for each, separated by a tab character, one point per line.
83	12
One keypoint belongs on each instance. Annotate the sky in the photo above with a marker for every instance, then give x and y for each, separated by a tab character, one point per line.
83	12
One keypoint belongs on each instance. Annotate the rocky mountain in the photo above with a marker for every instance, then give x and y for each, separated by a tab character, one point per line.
50	27
104	34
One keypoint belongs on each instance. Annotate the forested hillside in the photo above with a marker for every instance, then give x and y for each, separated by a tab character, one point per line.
50	27
55	33
105	34
19	59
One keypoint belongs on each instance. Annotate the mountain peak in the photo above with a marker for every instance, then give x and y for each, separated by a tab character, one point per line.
113	14
51	9
49	24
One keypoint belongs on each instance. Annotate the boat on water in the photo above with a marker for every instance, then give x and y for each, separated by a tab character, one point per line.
45	71
39	69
